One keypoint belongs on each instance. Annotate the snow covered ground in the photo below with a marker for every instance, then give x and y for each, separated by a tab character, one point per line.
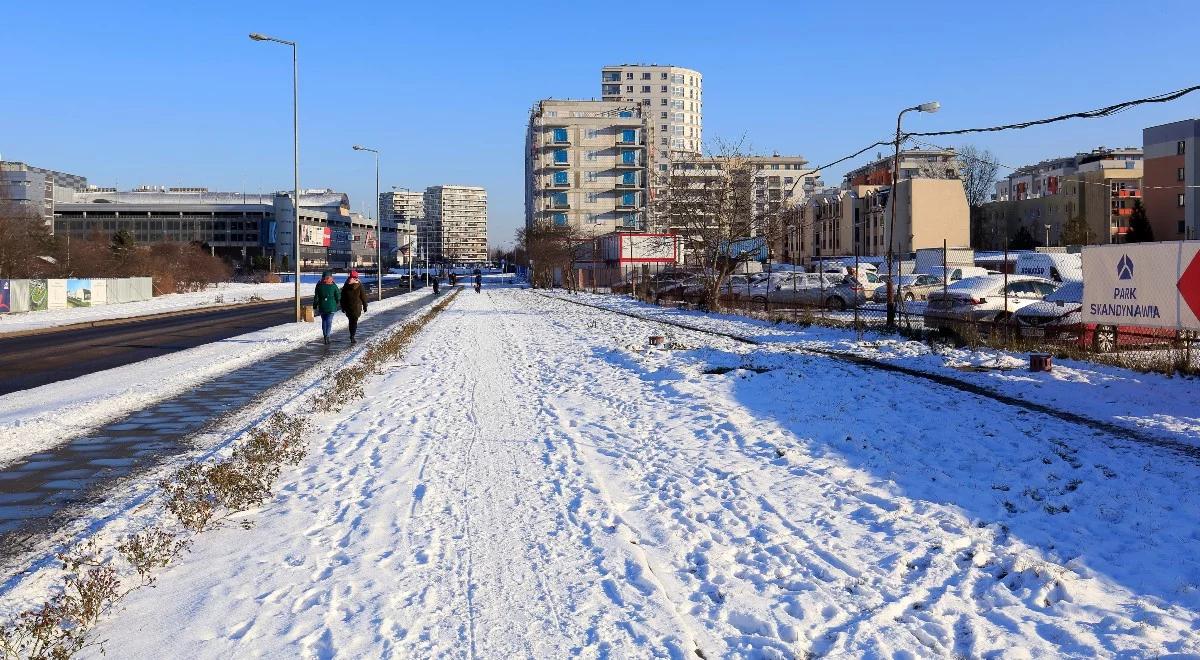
532	481
37	419
1160	405
227	293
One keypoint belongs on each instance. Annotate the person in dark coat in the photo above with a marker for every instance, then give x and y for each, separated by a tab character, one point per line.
326	300
354	302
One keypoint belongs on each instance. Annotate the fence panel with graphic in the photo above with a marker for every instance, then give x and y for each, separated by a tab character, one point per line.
18	296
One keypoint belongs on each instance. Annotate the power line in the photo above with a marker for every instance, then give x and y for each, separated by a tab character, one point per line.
1087	114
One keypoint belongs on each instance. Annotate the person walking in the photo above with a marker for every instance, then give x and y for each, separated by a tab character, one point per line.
478	281
354	302
326	300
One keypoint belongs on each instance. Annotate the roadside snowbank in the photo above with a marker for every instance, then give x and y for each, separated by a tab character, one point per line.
533	481
35	420
226	293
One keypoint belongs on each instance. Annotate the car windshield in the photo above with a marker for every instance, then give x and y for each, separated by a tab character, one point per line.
908	280
1069	292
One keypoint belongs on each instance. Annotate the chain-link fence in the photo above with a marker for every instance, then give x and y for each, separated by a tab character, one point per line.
1012	312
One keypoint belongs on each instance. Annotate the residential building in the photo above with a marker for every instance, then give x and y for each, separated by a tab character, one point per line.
456	224
857	217
404	210
1097	189
586	166
1171	168
37	189
672	101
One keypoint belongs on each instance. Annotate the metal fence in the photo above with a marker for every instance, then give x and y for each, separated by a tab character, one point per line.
842	300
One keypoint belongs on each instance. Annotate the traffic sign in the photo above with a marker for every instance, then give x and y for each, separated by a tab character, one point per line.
1154	285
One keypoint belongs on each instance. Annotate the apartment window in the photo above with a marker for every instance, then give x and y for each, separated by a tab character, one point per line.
666	143
610	90
560	155
1180	199
662	101
629	178
629	199
560	219
629	89
646	76
666	128
593	133
591	155
630	220
664	89
560	178
664	115
645	89
559	200
1181	147
678	105
1182	227
612	76
591	176
677	130
560	135
552	113
625	114
662	167
645	101
664	76
629	76
677	117
629	135
1179	174
630	158
593	197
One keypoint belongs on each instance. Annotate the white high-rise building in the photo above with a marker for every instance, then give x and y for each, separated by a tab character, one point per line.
456	224
404	210
671	98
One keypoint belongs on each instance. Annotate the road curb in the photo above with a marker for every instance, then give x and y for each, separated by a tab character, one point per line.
133	319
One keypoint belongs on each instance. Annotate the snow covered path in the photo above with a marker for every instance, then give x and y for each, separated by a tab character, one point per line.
532	482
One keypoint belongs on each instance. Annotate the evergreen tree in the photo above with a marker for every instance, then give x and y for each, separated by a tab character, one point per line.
1140	230
1022	240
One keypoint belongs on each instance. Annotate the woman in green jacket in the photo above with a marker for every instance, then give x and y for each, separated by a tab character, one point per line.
326	301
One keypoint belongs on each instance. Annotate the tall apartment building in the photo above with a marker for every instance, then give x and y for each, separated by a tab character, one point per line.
1172	172
37	189
404	210
456	222
1099	187
586	165
672	101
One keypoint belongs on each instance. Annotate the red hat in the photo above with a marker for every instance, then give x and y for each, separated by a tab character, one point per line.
354	274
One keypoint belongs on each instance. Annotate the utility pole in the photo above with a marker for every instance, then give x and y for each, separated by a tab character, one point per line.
931	106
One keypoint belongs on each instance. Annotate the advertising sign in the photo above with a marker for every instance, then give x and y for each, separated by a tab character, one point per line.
39	295
1154	285
4	297
312	235
79	293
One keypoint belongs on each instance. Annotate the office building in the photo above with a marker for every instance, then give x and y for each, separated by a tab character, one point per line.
672	101
455	224
36	189
586	166
1171	167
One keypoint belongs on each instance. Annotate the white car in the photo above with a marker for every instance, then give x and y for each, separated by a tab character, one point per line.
984	300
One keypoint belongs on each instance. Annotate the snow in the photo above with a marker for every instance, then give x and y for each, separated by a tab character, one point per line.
227	293
40	418
532	480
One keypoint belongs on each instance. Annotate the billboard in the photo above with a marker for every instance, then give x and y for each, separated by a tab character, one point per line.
313	235
39	295
79	293
1154	285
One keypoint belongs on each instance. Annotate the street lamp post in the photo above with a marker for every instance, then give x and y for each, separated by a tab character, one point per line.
378	225
295	160
1047	235
932	106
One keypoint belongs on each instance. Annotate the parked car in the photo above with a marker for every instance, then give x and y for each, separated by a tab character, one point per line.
909	287
956	273
1059	318
985	299
814	290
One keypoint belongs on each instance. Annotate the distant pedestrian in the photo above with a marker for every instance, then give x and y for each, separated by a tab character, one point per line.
478	281
326	300
354	302
453	278
435	285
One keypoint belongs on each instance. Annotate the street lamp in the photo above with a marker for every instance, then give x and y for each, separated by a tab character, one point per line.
295	160
931	106
378	225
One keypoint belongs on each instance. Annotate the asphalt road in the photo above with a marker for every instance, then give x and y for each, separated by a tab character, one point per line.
35	360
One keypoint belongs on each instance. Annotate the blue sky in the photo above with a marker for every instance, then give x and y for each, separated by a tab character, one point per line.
175	93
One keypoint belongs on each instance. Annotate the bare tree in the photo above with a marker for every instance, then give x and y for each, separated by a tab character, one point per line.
552	252
27	250
711	202
979	173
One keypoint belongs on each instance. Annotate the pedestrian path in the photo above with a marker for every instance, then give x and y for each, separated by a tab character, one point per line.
39	494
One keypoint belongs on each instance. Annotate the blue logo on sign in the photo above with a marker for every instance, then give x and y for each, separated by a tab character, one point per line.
1125	268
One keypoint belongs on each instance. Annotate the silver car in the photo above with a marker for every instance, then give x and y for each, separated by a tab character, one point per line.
985	299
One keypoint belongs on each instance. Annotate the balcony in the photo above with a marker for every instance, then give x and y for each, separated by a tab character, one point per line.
626	185
610	76
558	164
629	159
